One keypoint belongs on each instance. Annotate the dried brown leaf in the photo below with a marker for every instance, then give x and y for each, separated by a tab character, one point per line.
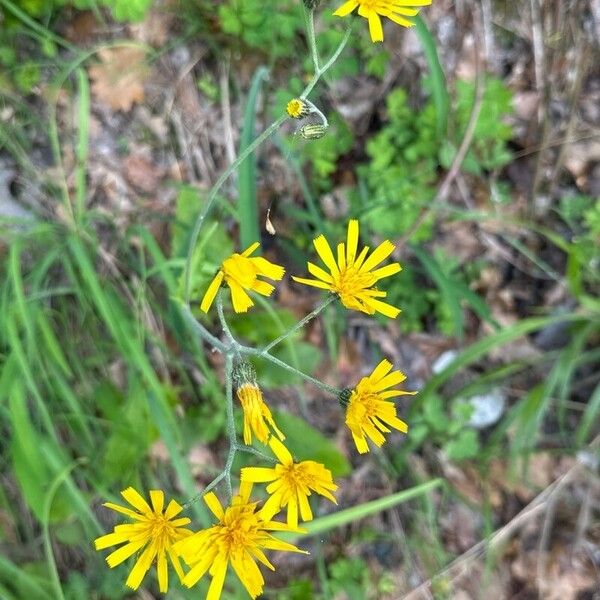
118	81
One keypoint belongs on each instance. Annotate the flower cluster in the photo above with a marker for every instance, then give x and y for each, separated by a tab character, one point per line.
246	529
352	276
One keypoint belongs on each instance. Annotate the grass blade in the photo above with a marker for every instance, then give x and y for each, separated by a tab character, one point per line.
247	201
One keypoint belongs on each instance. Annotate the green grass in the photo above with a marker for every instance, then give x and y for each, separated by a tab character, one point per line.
101	368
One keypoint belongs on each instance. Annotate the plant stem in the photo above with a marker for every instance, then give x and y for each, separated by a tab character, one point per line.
230	422
319	73
299	324
312	40
262	354
187	275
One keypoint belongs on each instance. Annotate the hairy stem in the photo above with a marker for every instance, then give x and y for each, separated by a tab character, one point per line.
299	324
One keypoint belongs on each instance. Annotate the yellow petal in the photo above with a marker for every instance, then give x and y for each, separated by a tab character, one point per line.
214	505
111	539
250	249
379	255
400	20
375	28
352	242
324	251
313	282
249	573
240	299
258	474
157	498
163	573
141	567
267	268
218	571
211	292
173	508
380	371
346	8
319	273
281	452
118	556
263	288
387	271
136	500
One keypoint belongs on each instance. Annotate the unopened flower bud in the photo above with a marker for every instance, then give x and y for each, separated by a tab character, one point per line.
313	131
312	4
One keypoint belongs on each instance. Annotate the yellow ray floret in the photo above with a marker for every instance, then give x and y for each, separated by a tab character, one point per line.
373	10
154	531
239	538
369	412
257	416
353	276
291	484
240	272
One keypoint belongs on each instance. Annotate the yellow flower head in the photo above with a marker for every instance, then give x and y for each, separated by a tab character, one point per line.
353	276
154	528
240	538
291	484
240	272
368	410
395	10
297	108
257	416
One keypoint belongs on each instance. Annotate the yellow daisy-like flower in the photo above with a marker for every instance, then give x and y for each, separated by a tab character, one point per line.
239	538
395	10
353	276
257	416
240	272
297	108
155	528
291	484
368	409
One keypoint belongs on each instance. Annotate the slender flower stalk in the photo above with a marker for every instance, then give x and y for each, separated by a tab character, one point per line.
291	484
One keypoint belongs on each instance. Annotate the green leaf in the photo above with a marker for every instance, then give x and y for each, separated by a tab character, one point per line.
465	446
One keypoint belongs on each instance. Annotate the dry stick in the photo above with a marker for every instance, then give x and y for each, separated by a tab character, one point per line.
539	59
535	507
580	70
444	188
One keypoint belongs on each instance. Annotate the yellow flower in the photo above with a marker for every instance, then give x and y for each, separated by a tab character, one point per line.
240	272
368	410
257	416
154	528
353	276
291	484
395	10
297	108
240	538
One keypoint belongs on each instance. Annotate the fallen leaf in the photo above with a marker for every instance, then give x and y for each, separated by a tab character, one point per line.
141	173
118	81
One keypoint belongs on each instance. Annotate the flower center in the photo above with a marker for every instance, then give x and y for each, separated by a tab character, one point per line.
239	269
294	475
361	407
351	282
161	530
